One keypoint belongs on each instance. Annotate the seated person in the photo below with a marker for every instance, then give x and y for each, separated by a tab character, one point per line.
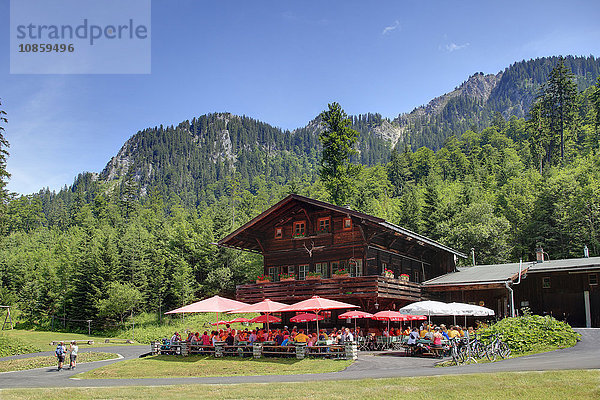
301	337
252	338
453	332
286	339
349	336
323	335
429	334
437	342
413	336
206	339
279	338
312	339
230	339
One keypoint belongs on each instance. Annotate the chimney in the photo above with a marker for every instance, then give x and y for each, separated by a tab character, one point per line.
539	254
586	252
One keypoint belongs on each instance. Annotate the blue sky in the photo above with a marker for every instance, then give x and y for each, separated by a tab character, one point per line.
277	61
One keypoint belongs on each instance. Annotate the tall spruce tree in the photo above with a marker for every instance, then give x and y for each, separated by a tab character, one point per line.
558	101
338	139
4	175
595	97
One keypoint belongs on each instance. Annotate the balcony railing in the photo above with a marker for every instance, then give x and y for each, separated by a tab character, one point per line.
332	288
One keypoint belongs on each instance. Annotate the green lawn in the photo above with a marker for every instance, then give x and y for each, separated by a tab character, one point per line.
175	366
500	386
48	361
42	339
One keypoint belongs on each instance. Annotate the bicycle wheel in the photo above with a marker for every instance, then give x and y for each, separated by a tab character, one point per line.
454	354
490	352
504	350
478	350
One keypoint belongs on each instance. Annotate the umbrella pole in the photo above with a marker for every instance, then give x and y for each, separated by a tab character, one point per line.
267	314
317	313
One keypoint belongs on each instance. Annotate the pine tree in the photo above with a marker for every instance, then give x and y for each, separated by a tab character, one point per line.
558	101
4	175
338	139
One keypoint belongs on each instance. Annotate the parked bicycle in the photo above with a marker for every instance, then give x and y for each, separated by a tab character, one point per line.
497	348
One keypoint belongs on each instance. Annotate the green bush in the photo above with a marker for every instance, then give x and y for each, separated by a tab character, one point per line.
533	333
14	346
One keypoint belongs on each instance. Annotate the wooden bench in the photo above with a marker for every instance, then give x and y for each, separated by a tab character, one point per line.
119	341
56	342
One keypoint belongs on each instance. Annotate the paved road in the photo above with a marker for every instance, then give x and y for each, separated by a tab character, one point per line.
584	355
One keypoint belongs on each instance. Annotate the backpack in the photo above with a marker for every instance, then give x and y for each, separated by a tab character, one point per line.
59	350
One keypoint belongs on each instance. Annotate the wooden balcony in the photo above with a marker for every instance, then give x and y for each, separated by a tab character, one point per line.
343	289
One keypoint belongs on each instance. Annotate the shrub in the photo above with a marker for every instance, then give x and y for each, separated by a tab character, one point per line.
533	333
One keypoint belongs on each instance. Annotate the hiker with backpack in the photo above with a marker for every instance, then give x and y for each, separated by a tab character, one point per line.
60	354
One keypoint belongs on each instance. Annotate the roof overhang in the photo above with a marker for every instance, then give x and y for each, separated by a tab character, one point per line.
288	202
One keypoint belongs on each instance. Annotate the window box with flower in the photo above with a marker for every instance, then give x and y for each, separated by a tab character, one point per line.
286	276
314	275
388	273
340	273
404	277
263	279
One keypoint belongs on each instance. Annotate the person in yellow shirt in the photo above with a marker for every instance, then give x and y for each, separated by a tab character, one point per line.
453	332
423	332
301	337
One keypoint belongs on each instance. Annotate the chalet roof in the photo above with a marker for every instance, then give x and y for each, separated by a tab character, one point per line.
568	265
500	273
380	222
478	275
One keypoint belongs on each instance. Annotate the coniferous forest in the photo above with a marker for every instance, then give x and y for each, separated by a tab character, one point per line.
523	172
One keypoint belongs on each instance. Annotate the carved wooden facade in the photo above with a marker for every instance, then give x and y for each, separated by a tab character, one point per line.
301	237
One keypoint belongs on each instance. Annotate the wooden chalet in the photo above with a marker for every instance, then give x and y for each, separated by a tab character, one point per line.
303	237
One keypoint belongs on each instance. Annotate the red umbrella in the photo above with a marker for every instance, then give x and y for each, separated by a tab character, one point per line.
262	319
354	314
416	317
239	320
389	316
266	306
220	323
214	304
307	317
317	304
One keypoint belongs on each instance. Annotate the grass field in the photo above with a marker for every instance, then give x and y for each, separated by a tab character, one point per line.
172	366
48	361
501	386
42	339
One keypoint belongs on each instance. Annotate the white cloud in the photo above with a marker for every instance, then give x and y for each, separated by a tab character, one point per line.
453	47
391	28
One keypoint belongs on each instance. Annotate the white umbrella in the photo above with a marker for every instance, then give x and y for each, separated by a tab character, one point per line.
427	307
470	310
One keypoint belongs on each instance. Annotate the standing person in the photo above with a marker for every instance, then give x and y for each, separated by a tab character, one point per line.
60	354
73	349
